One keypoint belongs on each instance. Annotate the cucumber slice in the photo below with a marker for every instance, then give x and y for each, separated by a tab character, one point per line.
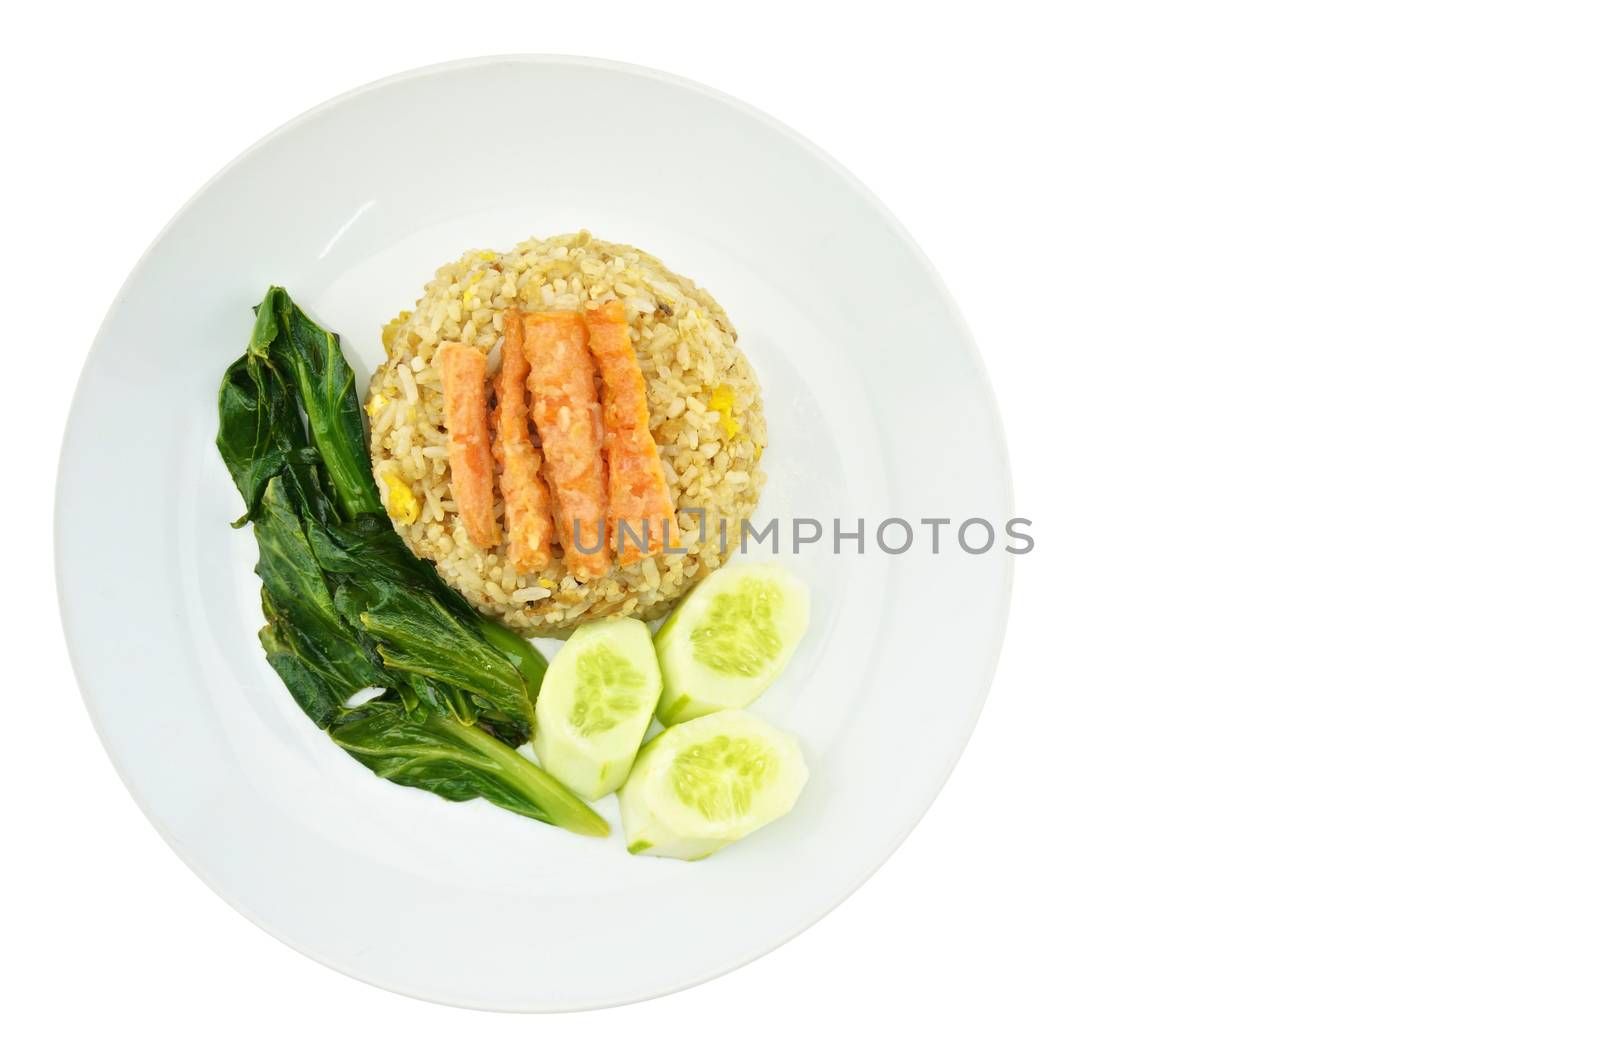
595	703
729	639
707	783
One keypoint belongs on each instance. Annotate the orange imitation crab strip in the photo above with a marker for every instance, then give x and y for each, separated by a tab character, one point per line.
637	488
529	532
464	370
566	411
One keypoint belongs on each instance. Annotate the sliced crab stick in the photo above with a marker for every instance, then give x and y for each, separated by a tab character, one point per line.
640	508
566	411
529	531
464	372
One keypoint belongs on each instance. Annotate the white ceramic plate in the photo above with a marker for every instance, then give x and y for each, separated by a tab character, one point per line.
878	407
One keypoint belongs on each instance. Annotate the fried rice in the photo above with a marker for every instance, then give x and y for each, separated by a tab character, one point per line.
705	416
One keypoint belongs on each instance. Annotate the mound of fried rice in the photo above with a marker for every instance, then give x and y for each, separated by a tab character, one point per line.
705	415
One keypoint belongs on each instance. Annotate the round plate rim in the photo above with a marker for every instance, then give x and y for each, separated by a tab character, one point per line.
67	613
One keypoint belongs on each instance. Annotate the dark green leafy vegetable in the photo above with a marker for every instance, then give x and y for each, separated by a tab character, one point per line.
417	634
321	660
260	432
421	626
319	688
326	390
435	752
349	607
366	548
528	660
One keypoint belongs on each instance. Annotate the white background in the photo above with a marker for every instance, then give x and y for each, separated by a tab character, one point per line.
1292	313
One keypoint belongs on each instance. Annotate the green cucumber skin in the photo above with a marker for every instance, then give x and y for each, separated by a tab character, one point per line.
668	699
683	709
588	765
